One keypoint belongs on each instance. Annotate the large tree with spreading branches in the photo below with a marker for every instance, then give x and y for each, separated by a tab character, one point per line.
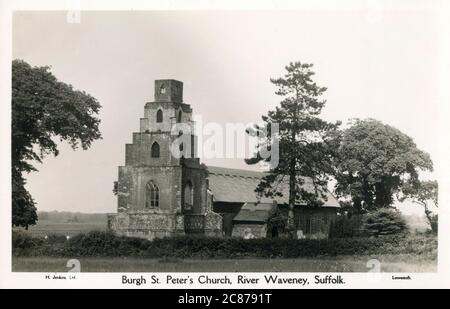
375	162
43	111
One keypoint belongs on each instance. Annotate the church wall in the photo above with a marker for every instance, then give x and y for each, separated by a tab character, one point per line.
146	225
314	221
227	211
168	90
132	187
139	152
197	176
213	224
170	114
258	230
319	218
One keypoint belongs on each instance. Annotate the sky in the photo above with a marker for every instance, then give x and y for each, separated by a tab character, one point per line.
381	64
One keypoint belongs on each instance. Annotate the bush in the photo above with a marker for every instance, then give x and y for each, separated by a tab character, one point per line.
344	227
384	221
107	244
22	243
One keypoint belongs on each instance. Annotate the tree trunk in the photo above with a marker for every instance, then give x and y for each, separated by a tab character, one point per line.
292	192
382	195
292	231
429	218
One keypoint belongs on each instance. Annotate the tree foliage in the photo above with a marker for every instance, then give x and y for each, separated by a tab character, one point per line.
423	193
306	143
384	221
374	163
344	226
43	110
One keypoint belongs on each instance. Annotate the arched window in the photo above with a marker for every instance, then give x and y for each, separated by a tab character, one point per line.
159	116
162	89
151	195
188	195
181	147
155	150
179	116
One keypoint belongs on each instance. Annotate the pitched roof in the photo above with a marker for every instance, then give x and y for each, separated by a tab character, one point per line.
251	212
238	186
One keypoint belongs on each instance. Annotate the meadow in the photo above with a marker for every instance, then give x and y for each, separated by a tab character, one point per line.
47	227
66	223
388	263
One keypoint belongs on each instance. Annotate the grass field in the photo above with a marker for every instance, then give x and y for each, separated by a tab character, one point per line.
47	227
389	263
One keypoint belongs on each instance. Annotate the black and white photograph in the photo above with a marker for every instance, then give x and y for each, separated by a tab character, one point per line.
276	145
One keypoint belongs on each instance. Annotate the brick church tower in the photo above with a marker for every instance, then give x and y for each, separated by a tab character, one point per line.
162	190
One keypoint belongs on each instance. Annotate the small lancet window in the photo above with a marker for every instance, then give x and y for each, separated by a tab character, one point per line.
188	195
159	116
155	150
162	89
152	195
179	116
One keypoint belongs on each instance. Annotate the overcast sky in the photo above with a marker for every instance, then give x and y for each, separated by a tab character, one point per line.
378	64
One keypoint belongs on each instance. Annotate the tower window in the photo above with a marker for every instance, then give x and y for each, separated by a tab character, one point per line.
152	195
162	89
308	226
179	116
155	150
188	195
159	116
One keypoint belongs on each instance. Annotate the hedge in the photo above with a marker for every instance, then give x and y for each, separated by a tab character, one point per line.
107	244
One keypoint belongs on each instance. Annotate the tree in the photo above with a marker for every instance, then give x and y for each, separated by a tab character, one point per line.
422	193
305	142
383	221
44	109
115	188
374	162
344	226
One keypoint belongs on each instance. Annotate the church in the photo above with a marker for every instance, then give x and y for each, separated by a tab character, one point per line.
160	194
